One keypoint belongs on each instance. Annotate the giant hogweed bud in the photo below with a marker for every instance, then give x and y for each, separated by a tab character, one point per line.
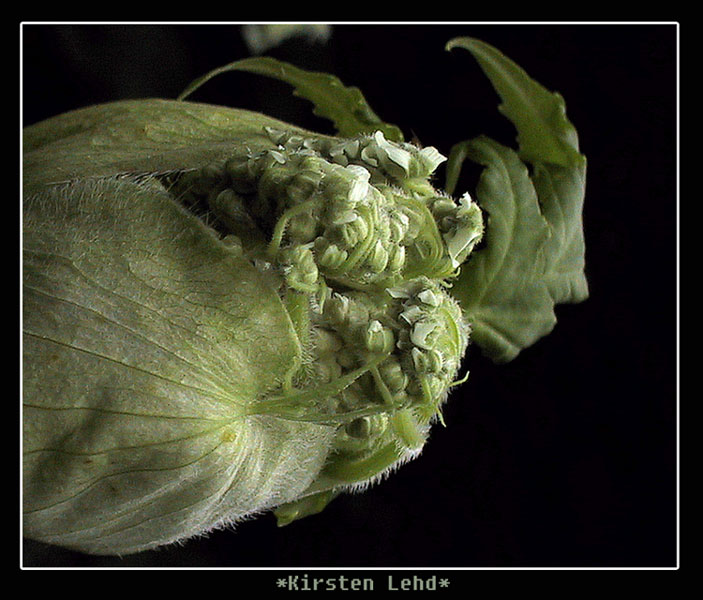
184	268
225	314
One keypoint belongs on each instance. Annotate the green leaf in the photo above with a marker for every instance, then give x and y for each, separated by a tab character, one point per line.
560	192
345	106
501	288
544	132
534	253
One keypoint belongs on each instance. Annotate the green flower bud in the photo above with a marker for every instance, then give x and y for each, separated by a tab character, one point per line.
393	376
329	256
396	258
303	185
337	308
378	339
300	268
378	258
303	228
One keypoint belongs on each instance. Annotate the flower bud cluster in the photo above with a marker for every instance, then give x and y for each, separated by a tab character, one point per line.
419	327
367	328
356	203
355	231
431	341
359	234
395	161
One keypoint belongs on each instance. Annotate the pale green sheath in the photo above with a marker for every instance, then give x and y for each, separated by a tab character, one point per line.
224	314
139	364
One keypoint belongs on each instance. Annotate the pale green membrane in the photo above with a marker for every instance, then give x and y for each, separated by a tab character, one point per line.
139	404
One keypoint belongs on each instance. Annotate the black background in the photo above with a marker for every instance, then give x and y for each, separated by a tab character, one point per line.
565	457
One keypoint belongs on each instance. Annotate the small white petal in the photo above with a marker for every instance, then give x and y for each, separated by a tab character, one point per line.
398	292
394	153
431	158
375	326
278	157
359	172
348	216
421	330
429	297
412	314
